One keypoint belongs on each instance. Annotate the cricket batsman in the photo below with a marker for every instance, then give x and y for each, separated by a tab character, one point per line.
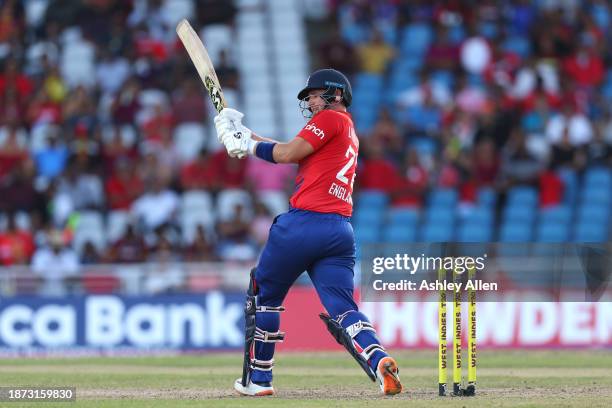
315	235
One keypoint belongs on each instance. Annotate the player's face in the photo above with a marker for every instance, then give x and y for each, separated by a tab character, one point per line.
315	102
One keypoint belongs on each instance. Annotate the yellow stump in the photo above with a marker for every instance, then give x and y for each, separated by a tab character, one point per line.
457	338
442	345
471	388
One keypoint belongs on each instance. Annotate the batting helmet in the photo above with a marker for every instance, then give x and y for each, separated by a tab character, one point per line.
330	80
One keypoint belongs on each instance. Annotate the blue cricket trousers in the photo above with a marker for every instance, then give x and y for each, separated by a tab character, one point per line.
321	244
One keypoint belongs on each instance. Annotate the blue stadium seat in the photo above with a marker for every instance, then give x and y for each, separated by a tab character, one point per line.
368	82
570	185
437	233
424	145
355	33
593	194
443	197
515	232
444	215
487	197
480	216
416	38
517	44
552	232
469	232
403	216
372	198
591	232
397	233
561	214
519	213
522	195
600	177
593	213
369	215
367	234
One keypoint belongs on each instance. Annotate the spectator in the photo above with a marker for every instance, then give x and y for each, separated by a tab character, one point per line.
199	174
338	54
442	54
585	66
260	226
13	149
157	207
410	184
188	103
227	72
130	248
375	55
579	128
519	166
485	163
82	186
234	239
51	160
12	77
437	91
56	265
16	244
165	274
551	189
230	172
90	255
387	133
112	72
599	152
201	249
42	110
126	103
376	172
18	192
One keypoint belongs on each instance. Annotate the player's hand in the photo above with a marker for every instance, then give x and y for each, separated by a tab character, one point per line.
238	141
227	120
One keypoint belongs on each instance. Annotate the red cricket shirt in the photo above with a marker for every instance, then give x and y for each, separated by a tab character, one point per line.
324	182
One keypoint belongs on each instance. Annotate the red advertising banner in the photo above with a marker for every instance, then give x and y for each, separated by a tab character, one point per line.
415	324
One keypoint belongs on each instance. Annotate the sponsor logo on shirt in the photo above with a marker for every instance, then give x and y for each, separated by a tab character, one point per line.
318	132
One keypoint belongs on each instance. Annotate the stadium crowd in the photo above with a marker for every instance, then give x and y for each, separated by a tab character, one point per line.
98	104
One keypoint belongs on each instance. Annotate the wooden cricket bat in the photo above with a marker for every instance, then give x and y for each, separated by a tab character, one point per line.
199	56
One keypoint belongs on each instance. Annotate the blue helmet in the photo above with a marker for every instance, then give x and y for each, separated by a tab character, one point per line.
330	80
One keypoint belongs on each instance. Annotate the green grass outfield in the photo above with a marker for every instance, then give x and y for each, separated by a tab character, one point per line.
560	378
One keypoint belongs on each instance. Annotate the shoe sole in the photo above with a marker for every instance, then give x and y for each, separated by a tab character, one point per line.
257	394
392	384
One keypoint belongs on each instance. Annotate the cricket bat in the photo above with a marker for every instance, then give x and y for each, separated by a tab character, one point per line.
199	56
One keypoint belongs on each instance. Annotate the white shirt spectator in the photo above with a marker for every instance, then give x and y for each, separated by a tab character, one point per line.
54	266
415	96
578	126
155	208
112	73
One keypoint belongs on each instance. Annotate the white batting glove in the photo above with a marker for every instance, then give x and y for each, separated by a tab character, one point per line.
227	119
238	142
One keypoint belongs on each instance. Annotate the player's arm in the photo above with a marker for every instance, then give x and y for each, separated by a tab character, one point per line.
290	152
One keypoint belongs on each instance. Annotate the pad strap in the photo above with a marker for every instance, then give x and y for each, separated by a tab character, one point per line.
356	328
276	309
262	365
269	337
370	350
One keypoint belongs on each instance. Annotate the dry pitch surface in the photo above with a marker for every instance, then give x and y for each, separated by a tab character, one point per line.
562	378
